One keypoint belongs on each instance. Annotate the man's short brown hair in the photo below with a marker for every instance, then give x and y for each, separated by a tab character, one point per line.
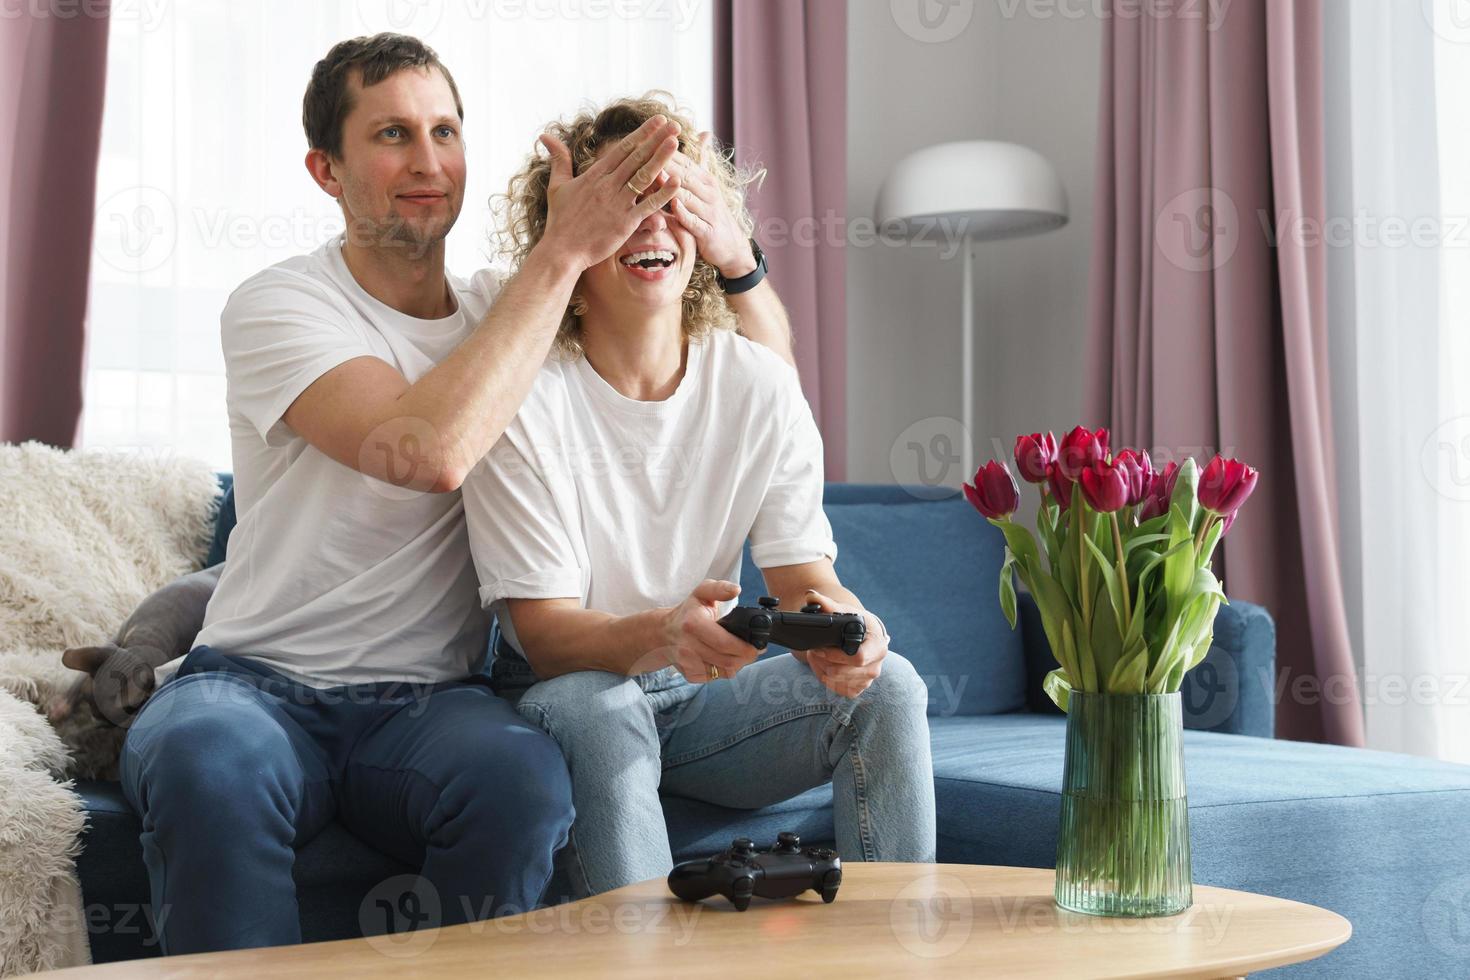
328	97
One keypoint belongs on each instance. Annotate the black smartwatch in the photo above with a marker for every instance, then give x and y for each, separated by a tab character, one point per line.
748	281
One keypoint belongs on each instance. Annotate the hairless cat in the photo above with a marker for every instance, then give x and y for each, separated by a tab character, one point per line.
118	676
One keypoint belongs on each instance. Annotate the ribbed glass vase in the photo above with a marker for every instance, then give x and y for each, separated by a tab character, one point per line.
1124	843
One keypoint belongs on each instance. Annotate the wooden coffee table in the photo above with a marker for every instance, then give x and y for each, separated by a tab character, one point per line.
888	920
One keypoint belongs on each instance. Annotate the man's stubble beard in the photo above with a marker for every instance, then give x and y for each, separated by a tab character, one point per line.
396	232
399	234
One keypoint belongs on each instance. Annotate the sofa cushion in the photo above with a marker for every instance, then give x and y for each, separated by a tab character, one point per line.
929	570
224	521
1298	820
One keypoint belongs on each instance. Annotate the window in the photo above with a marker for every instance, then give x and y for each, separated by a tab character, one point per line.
201	181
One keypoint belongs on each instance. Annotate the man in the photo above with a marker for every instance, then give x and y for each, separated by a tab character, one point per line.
336	673
607	528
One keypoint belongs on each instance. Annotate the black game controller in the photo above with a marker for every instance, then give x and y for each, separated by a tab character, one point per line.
806	630
785	871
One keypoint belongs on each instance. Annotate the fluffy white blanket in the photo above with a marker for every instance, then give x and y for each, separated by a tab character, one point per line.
84	536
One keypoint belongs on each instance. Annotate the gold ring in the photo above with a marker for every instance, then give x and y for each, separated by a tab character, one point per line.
714	672
629	185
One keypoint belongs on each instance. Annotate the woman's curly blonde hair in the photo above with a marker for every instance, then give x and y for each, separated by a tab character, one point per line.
521	211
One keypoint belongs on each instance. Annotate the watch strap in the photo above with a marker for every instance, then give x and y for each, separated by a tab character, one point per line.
750	280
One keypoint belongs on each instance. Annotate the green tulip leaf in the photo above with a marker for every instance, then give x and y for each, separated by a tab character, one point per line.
1137	540
1106	639
1023	546
1102	532
1127	677
1182	650
1175	679
1153	525
1049	537
1156	561
1058	688
1055	609
1086	676
1202	648
1150	563
1179	565
1200	629
1135	624
1167	657
1008	588
1186	492
1081	631
1205	583
1047	513
1110	579
1207	547
1067	552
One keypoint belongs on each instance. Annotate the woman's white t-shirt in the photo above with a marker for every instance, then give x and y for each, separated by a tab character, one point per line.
335	577
627	505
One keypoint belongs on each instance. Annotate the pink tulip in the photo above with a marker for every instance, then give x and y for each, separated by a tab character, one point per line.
1034	453
1160	492
1139	470
1105	487
1225	484
1079	450
1061	488
995	493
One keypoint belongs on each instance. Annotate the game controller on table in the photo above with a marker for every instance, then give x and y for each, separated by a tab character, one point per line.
741	872
809	629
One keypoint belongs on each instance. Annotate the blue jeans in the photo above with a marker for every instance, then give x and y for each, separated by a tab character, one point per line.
763	736
232	766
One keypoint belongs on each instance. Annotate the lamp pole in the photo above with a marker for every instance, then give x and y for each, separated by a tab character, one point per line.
967	361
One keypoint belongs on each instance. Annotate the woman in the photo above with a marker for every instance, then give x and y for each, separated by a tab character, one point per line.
607	527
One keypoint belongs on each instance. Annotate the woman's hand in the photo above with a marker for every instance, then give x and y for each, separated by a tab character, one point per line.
592	213
844	675
695	641
701	208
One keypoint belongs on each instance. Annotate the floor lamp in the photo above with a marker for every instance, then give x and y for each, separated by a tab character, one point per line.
982	190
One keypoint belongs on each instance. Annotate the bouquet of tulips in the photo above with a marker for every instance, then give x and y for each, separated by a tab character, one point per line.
1122	575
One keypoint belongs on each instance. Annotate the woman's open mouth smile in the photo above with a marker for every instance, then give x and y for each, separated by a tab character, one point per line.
650	265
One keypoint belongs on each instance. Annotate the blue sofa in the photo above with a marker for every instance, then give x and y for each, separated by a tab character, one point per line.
1377	837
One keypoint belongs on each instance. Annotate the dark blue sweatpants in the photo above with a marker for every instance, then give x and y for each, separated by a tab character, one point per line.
232	766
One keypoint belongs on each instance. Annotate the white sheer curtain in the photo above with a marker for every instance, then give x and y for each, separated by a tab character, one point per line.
1399	197
1450	447
201	181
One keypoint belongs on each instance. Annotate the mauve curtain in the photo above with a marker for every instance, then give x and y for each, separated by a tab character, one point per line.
52	70
781	101
1208	310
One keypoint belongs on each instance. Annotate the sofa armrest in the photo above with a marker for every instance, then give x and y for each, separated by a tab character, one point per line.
1231	690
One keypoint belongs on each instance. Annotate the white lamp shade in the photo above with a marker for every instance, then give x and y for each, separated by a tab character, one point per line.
983	188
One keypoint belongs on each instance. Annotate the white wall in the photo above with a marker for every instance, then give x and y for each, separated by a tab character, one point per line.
1025	78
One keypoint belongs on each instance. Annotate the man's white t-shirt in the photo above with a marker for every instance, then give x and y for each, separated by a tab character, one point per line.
627	505
335	577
